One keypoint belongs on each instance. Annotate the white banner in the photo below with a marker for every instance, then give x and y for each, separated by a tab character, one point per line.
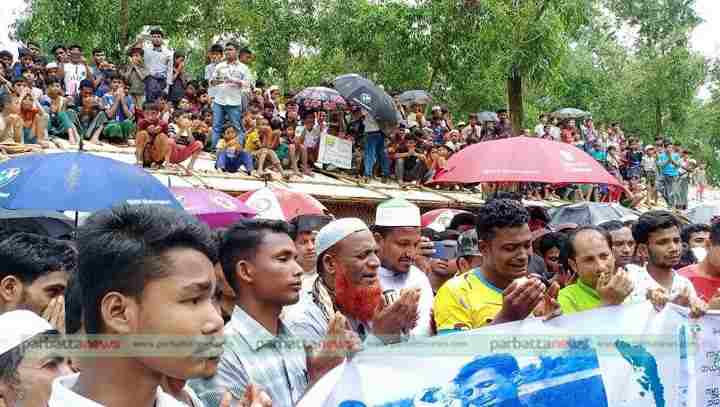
613	356
335	151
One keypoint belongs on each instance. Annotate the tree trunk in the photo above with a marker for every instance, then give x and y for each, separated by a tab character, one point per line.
124	21
658	119
515	101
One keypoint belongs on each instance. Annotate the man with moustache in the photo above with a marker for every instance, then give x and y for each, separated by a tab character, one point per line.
623	243
348	284
657	234
397	233
499	289
258	260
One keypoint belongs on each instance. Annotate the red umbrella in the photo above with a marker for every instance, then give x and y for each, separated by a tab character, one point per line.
282	204
439	219
524	159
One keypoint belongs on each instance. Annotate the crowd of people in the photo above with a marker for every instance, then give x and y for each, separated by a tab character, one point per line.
151	101
272	306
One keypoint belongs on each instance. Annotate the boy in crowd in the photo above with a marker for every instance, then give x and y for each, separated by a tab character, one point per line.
120	110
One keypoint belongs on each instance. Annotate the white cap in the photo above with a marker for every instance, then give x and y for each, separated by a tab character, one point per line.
397	212
51	65
18	327
336	231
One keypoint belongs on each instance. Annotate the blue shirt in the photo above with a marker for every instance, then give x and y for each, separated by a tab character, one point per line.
108	100
668	168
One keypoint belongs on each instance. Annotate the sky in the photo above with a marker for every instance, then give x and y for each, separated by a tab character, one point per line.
705	38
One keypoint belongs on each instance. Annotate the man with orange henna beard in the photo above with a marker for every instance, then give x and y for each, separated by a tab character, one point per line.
349	283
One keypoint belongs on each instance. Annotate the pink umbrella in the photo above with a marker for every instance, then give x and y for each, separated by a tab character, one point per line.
524	159
215	208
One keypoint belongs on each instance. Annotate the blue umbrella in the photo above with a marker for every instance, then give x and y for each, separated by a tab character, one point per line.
77	181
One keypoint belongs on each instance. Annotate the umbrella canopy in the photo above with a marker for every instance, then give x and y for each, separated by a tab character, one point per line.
524	159
570	113
704	213
48	223
320	98
77	181
215	208
414	97
439	219
487	117
591	213
356	89
282	204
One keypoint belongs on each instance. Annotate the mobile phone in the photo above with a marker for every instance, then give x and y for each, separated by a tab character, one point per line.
445	250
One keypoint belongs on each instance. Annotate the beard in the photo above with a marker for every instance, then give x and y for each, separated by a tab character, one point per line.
358	302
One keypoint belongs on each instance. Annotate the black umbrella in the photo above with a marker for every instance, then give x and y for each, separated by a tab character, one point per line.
356	89
591	213
414	97
48	223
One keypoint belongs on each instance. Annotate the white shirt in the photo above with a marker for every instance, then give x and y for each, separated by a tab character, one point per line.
311	137
63	396
74	73
209	71
159	62
231	94
642	282
390	280
540	130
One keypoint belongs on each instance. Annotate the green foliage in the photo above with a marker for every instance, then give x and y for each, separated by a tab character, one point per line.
566	52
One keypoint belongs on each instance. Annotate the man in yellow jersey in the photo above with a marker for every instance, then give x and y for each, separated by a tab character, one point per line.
500	290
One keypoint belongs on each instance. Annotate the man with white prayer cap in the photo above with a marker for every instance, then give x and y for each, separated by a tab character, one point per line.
348	283
397	233
25	378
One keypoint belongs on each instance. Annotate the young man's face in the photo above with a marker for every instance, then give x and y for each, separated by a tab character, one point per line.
27	60
664	248
305	245
184	104
623	246
75	55
135	58
156	39
508	253
54	89
309	121
230	53
182	304
276	273
215	57
34	49
398	249
245	57
698	239
116	84
6	60
99	58
61	55
36	296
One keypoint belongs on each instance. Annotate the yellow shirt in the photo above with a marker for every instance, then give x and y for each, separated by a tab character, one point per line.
252	141
467	301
